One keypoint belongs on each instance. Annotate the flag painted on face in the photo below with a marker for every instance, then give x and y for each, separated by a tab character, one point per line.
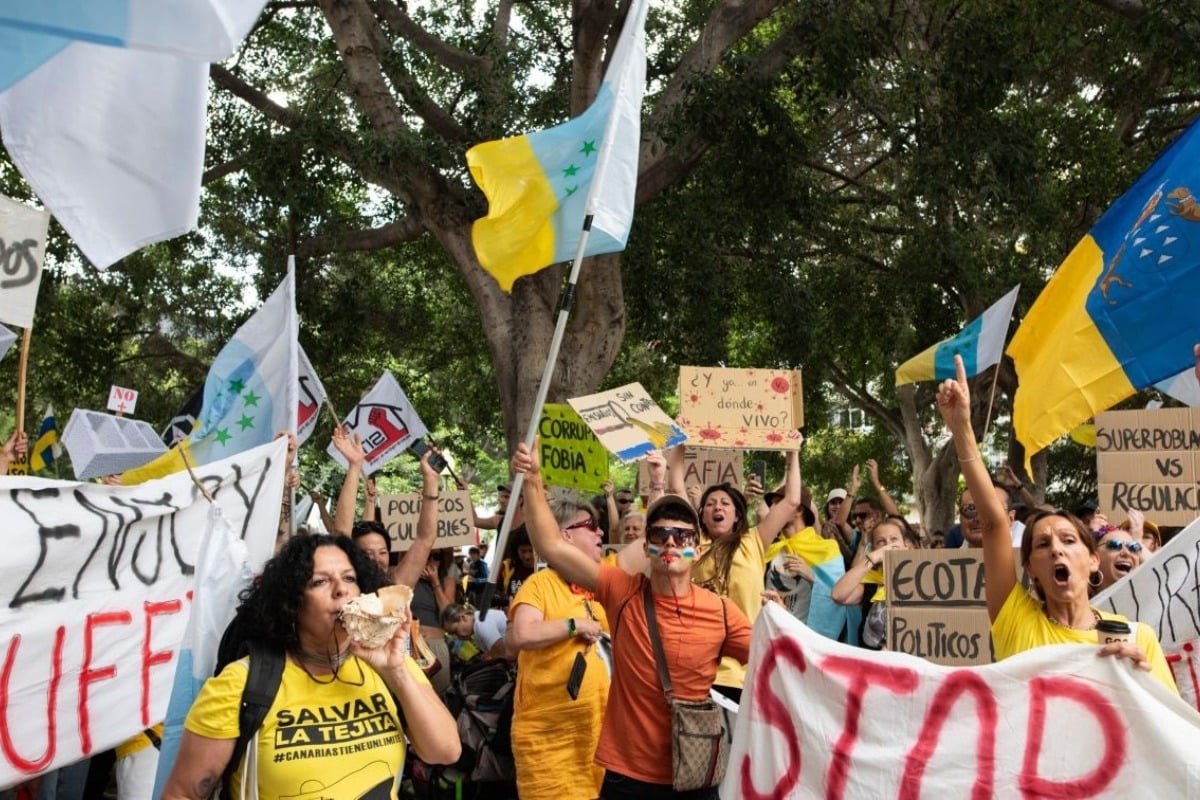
250	393
541	186
1119	314
980	343
45	447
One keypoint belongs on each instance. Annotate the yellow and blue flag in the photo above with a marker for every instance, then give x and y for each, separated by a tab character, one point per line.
1119	315
541	186
981	345
45	447
824	558
250	393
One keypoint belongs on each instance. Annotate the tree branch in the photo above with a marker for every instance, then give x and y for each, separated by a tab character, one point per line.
450	57
402	230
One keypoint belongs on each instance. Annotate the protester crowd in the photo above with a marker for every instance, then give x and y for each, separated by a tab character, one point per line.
576	677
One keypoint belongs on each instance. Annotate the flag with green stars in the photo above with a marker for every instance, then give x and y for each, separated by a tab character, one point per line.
250	393
541	186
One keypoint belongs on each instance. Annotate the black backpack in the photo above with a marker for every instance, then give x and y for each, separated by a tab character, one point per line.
262	684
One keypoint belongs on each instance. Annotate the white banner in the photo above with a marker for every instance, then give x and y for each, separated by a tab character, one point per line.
22	248
97	583
312	394
1164	592
825	720
385	421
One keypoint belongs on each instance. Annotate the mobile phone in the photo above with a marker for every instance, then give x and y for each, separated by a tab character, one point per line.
759	468
418	448
575	679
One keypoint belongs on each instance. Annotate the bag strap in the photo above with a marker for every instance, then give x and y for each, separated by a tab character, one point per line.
660	658
262	684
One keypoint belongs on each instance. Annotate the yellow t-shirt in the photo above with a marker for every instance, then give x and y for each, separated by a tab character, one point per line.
336	739
554	738
744	588
138	742
1022	625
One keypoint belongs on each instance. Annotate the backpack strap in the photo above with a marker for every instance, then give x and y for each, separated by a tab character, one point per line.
262	684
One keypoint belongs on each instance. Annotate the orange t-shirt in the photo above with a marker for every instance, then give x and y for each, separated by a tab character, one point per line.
636	738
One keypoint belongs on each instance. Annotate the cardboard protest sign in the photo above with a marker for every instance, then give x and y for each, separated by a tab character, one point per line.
747	409
455	525
628	422
823	719
122	400
703	466
1147	459
936	605
385	421
311	395
22	247
98	582
570	453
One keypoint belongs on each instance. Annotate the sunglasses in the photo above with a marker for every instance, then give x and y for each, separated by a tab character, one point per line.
969	510
588	523
859	516
624	500
1115	545
682	536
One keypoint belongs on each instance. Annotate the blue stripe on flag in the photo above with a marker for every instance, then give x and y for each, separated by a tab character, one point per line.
965	344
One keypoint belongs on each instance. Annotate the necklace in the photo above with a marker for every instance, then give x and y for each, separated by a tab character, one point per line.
331	661
1092	627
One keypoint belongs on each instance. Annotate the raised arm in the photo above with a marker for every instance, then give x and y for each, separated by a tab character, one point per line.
784	509
371	509
676	471
14	448
885	499
848	591
567	561
999	569
656	465
611	512
350	446
412	563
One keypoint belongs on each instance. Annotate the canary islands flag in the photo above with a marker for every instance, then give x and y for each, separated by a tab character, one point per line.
824	558
1119	315
542	186
46	447
250	393
981	345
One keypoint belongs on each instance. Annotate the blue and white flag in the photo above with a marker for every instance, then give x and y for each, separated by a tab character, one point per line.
981	345
102	109
250	393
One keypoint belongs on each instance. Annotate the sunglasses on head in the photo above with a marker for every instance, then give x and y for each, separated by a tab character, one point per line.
1116	544
588	523
660	534
969	510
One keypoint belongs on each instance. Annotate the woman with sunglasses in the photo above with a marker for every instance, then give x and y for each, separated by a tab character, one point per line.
562	681
1058	553
696	628
1120	554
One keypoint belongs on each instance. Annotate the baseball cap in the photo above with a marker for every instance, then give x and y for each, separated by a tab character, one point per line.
836	494
672	507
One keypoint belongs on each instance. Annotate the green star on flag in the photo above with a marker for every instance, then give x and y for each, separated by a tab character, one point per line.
589	147
236	385
222	435
250	398
246	422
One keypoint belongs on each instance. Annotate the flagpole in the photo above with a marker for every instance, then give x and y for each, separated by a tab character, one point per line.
987	421
565	303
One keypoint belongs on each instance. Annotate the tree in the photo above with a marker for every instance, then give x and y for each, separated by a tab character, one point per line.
356	144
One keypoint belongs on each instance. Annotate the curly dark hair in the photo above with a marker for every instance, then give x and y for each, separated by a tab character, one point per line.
270	604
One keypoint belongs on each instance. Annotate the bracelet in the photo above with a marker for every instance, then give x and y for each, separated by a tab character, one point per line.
430	496
962	460
571	627
657	487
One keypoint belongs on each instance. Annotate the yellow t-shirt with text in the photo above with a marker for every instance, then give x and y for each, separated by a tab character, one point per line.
336	739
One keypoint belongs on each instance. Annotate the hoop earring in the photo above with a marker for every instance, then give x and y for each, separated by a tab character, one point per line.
1095	579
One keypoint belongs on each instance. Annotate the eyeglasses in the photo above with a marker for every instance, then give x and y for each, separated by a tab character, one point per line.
660	534
588	523
1115	545
969	510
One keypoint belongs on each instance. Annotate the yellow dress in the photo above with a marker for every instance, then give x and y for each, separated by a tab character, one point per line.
554	737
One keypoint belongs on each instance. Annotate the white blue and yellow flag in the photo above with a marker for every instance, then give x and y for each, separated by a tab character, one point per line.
45	447
541	186
250	393
981	345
